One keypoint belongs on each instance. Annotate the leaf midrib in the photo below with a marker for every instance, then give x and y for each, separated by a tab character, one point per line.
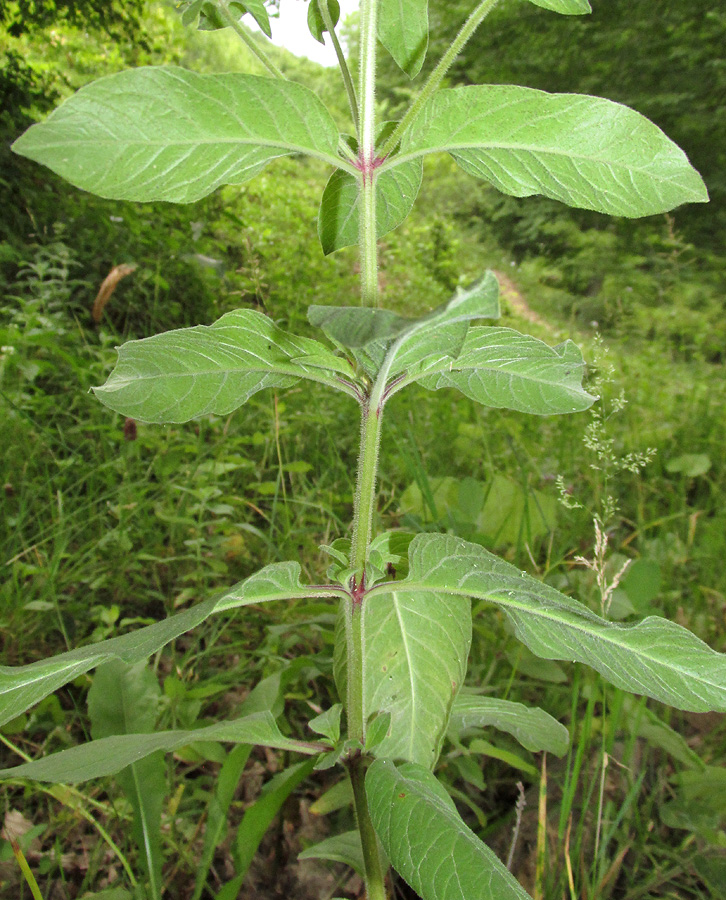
507	601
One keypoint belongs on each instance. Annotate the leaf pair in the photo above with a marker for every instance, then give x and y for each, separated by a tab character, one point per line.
168	134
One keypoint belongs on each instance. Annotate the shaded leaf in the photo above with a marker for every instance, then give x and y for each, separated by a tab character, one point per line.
583	151
338	219
501	368
654	657
109	755
403	29
316	24
163	133
345	848
124	700
412	814
207	15
534	728
190	372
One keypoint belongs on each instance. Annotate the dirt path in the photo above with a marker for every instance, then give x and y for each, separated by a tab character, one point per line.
511	293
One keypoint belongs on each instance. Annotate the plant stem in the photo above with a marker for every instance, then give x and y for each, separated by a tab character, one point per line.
436	77
367	154
374	873
242	32
344	70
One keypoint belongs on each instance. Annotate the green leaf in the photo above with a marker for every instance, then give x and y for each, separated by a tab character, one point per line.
583	151
403	29
338	219
566	7
328	723
163	133
190	372
345	848
111	754
23	686
428	341
654	657
124	700
689	464
501	368
207	13
417	646
534	728
411	817
316	24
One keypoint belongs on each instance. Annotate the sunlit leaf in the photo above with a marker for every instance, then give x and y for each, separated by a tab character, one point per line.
403	29
164	133
533	728
501	368
654	657
109	755
23	686
566	7
583	151
427	841
190	372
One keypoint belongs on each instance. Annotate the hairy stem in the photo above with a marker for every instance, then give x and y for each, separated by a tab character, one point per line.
374	872
367	155
344	70
436	77
242	32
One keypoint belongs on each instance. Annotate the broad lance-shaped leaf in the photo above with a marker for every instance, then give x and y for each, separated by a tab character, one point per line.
109	755
417	646
566	7
653	657
190	372
23	686
534	728
338	219
163	133
427	841
403	29
583	151
345	848
434	338
504	369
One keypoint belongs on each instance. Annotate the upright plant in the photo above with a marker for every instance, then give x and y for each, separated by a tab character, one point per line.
405	619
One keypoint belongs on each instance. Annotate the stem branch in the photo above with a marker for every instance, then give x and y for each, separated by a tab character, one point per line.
344	70
436	77
251	43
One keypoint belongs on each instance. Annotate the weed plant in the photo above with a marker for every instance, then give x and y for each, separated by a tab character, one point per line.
402	590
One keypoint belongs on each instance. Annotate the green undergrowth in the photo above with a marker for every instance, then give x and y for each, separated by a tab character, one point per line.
109	524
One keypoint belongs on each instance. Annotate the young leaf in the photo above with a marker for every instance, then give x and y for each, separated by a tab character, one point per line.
207	12
316	23
23	686
109	755
434	339
566	7
345	848
338	219
412	813
534	728
504	369
583	151
163	133
654	657
124	699
403	29
190	372
417	646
